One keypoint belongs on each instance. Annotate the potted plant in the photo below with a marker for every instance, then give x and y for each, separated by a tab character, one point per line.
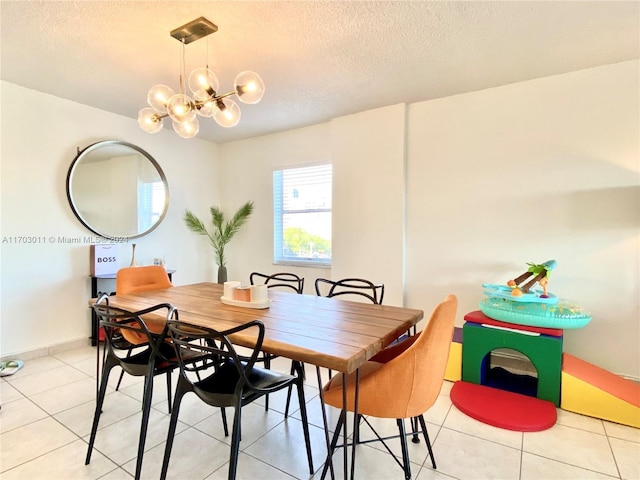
222	232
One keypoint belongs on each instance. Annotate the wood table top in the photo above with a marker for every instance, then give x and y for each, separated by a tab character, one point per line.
336	334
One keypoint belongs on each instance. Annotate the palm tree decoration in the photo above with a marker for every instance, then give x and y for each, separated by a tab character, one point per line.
222	232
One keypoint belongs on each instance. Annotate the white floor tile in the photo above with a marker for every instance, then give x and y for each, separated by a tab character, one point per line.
388	427
66	463
439	410
48	406
194	455
42	381
250	468
66	396
18	413
582	422
456	420
119	441
464	456
76	355
370	464
37	365
283	447
116	407
8	393
623	432
255	423
627	455
30	441
535	467
572	446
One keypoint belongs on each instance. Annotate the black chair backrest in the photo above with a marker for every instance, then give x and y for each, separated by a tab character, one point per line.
350	286
115	320
282	279
190	340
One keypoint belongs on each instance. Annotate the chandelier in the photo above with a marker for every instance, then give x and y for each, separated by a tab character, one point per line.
205	101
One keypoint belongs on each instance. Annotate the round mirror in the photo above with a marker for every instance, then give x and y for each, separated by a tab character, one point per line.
117	190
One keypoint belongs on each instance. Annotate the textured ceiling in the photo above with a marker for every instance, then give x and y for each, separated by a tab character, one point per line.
319	60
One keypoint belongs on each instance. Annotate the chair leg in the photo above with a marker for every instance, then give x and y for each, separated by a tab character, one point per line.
303	413
169	389
405	450
122	373
146	410
99	401
223	412
172	430
334	441
235	440
423	425
267	365
414	429
291	372
324	419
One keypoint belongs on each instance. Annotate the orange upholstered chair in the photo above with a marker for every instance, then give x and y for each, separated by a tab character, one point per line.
405	380
140	279
133	280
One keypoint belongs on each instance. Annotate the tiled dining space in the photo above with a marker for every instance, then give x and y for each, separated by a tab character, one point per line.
47	409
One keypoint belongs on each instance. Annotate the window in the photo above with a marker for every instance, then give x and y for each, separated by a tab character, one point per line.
302	215
151	202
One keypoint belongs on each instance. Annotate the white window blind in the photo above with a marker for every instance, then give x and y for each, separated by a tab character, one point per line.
302	215
151	199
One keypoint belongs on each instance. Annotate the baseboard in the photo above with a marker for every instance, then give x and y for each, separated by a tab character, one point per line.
49	350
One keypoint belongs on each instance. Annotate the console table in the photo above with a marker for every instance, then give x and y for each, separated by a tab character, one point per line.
95	279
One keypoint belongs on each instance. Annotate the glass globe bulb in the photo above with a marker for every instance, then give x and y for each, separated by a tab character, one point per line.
206	105
188	128
158	97
180	108
249	87
227	113
203	80
149	120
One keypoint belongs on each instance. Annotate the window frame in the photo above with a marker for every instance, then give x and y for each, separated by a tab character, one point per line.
279	213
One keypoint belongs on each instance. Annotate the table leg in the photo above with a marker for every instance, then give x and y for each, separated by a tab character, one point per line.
356	426
326	427
344	425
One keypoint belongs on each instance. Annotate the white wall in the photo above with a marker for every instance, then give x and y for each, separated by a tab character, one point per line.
45	286
247	175
546	169
494	179
368	151
539	170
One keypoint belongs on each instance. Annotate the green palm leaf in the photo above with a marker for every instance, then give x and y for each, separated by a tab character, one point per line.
222	232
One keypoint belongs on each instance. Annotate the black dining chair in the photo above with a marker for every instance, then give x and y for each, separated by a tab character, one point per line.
282	281
154	356
233	382
349	288
353	287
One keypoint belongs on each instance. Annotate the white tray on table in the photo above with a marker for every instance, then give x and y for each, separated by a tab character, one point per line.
240	303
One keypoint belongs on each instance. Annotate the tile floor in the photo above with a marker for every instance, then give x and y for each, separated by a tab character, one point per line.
47	409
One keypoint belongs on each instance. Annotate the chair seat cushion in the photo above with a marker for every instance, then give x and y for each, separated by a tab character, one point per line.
333	389
392	351
225	379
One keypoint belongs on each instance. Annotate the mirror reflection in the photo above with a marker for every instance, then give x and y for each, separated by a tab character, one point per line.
116	189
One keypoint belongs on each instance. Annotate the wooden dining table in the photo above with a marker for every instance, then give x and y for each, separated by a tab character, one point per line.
326	332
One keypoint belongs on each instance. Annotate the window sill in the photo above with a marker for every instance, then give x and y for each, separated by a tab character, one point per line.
293	263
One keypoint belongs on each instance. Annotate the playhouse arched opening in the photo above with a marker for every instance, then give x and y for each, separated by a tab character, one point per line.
511	370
